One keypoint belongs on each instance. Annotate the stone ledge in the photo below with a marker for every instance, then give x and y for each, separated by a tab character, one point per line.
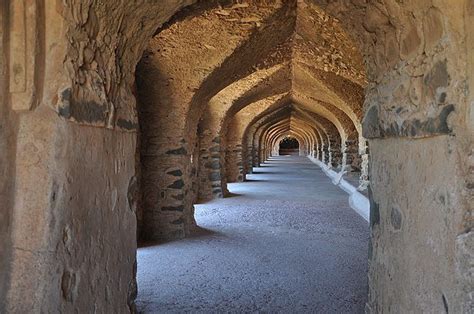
358	202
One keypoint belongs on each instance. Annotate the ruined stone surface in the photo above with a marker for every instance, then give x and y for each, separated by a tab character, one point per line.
425	235
7	164
267	80
70	219
173	104
88	145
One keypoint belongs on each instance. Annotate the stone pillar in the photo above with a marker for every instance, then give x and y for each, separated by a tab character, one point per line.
210	176
326	158
250	159
223	173
256	161
262	156
335	153
234	164
166	176
352	159
364	164
321	152
7	163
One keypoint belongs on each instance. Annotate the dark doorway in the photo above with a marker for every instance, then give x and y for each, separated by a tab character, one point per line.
289	146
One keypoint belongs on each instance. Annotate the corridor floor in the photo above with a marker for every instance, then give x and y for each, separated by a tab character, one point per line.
286	241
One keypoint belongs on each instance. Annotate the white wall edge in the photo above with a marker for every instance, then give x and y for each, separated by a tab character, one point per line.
357	201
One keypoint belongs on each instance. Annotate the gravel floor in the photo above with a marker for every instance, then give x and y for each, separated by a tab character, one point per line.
286	242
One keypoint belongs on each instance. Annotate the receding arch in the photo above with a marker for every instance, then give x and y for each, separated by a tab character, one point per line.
414	110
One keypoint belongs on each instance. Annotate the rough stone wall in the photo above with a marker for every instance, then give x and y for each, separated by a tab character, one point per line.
172	105
236	129
210	176
422	98
261	85
77	260
7	161
464	239
233	157
68	73
78	237
297	128
352	160
105	40
234	168
335	153
413	253
251	153
416	112
333	53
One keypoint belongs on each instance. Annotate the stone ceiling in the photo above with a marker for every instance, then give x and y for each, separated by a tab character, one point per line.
279	47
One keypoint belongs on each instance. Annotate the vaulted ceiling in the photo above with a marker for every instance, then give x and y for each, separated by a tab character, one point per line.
220	59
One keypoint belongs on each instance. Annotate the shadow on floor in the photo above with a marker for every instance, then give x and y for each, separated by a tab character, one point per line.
292	245
258	180
196	232
230	194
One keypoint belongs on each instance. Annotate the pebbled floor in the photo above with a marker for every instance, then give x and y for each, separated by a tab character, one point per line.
286	242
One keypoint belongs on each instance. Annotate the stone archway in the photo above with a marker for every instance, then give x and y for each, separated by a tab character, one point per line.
68	115
288	146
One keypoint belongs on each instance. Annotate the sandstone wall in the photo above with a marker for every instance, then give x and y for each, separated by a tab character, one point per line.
7	161
70	240
416	213
181	71
416	124
68	135
72	225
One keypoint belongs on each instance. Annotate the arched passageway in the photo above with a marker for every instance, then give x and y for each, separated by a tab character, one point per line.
118	117
289	146
286	241
194	128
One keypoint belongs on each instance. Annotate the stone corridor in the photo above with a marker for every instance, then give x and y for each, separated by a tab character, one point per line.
286	241
166	121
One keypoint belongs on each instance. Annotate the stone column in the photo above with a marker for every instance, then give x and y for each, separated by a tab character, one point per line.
335	152
256	161
262	156
234	163
326	155
250	159
210	176
321	152
167	190
364	164
352	159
